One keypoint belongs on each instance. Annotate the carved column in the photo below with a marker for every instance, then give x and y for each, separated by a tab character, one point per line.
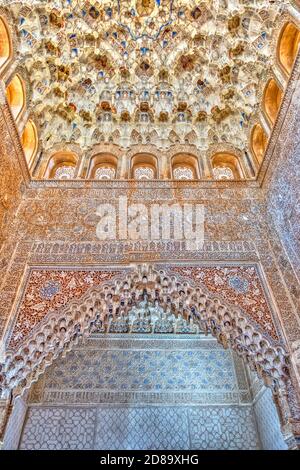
21	123
290	427
82	167
265	124
40	166
206	167
123	167
164	172
5	411
279	76
248	166
14	423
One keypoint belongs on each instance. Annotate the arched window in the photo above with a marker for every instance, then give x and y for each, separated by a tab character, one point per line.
223	173
226	166
288	45
64	172
30	141
103	167
143	173
5	44
105	173
15	93
61	165
183	173
185	167
272	99
259	142
144	167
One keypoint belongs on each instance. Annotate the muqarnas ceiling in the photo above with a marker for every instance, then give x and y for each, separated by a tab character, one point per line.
146	65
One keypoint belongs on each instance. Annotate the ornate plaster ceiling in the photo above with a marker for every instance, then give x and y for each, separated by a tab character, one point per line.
160	66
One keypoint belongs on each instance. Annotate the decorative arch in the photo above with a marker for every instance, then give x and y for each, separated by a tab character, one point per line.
29	141
287	46
174	138
226	166
135	136
191	137
103	166
185	166
16	96
115	136
144	166
258	142
6	48
175	292
61	165
271	100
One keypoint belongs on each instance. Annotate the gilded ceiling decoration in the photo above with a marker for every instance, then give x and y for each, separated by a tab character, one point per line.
144	65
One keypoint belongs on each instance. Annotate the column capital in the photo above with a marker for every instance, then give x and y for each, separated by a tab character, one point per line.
291	434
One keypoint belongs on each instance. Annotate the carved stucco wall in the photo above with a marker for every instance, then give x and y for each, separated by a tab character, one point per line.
56	226
13	176
143	391
283	190
47	290
63	215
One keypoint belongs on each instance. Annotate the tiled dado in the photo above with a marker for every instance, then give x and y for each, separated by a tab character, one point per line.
155	428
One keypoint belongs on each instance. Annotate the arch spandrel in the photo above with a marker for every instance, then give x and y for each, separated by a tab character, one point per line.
241	286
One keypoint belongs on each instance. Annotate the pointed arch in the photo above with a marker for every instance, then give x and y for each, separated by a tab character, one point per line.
29	141
271	100
116	136
191	137
154	136
259	142
173	137
16	97
172	291
179	292
135	136
287	47
6	49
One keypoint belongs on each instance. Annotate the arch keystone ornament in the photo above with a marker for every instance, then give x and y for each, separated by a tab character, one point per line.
153	299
